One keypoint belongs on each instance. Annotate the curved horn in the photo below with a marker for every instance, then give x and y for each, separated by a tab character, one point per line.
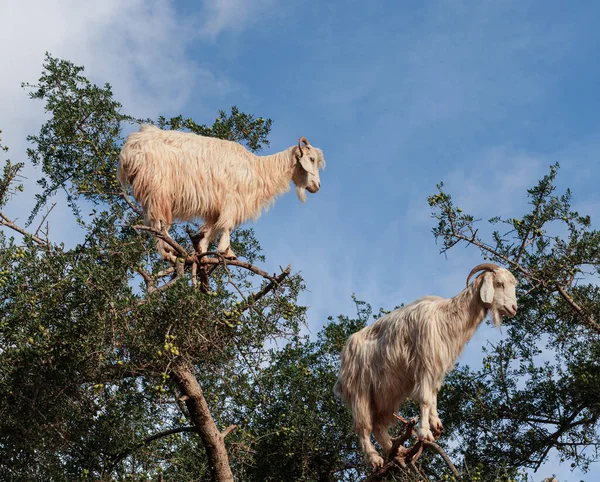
482	267
300	141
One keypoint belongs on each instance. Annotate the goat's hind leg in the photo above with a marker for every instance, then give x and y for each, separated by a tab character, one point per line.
363	426
207	232
164	249
383	436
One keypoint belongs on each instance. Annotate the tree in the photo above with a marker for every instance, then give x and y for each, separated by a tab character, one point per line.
103	343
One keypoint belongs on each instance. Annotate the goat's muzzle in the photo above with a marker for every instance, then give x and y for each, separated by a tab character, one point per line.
313	188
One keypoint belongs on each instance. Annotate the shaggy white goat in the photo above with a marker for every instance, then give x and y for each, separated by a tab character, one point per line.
179	175
408	352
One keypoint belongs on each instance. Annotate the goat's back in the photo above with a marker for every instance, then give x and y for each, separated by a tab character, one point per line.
188	173
389	355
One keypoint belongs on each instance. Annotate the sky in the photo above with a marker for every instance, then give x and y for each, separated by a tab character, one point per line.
399	96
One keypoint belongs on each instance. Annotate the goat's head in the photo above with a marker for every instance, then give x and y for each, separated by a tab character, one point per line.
497	290
309	160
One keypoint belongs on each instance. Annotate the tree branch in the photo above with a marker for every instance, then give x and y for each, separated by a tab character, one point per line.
4	221
404	458
135	208
444	456
588	319
228	430
118	458
274	282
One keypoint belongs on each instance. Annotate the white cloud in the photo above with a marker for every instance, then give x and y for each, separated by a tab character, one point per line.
138	46
221	16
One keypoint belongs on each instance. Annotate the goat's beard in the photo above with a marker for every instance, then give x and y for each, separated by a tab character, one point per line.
301	192
496	317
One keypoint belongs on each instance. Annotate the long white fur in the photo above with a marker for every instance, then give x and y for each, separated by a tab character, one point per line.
179	175
408	353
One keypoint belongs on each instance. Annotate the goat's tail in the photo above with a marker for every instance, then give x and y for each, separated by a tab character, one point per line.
349	378
132	156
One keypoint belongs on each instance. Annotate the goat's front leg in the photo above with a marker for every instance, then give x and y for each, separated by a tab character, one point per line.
225	245
434	419
424	432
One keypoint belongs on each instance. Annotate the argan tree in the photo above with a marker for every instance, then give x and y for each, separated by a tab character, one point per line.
114	364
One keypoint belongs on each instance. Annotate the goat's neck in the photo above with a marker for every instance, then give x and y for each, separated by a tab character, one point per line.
468	311
276	172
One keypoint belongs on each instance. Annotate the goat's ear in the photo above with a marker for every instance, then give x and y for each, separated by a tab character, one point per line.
487	288
305	163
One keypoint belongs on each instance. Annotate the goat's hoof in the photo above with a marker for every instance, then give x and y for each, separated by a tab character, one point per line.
425	435
228	254
437	428
375	461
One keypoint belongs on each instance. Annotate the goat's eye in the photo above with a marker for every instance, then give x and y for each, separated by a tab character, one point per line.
501	285
312	159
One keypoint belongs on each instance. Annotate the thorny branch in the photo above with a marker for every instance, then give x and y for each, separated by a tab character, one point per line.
404	458
202	258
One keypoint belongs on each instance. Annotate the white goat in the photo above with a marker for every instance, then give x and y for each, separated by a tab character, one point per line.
408	352
179	175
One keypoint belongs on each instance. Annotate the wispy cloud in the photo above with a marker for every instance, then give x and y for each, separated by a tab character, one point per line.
221	16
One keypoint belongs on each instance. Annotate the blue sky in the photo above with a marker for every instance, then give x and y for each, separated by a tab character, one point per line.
399	95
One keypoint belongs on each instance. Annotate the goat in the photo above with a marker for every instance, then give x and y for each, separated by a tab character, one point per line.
408	352
180	175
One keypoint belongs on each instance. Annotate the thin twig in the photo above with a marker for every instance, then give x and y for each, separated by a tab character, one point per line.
135	208
43	219
444	456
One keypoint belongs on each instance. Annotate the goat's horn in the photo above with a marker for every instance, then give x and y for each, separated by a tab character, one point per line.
482	267
300	141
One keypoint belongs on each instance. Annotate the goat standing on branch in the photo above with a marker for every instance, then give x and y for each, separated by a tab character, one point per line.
408	353
180	175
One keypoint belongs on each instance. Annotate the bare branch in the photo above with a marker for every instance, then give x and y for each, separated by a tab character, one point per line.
404	458
4	221
131	204
444	456
44	218
274	282
163	236
228	430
